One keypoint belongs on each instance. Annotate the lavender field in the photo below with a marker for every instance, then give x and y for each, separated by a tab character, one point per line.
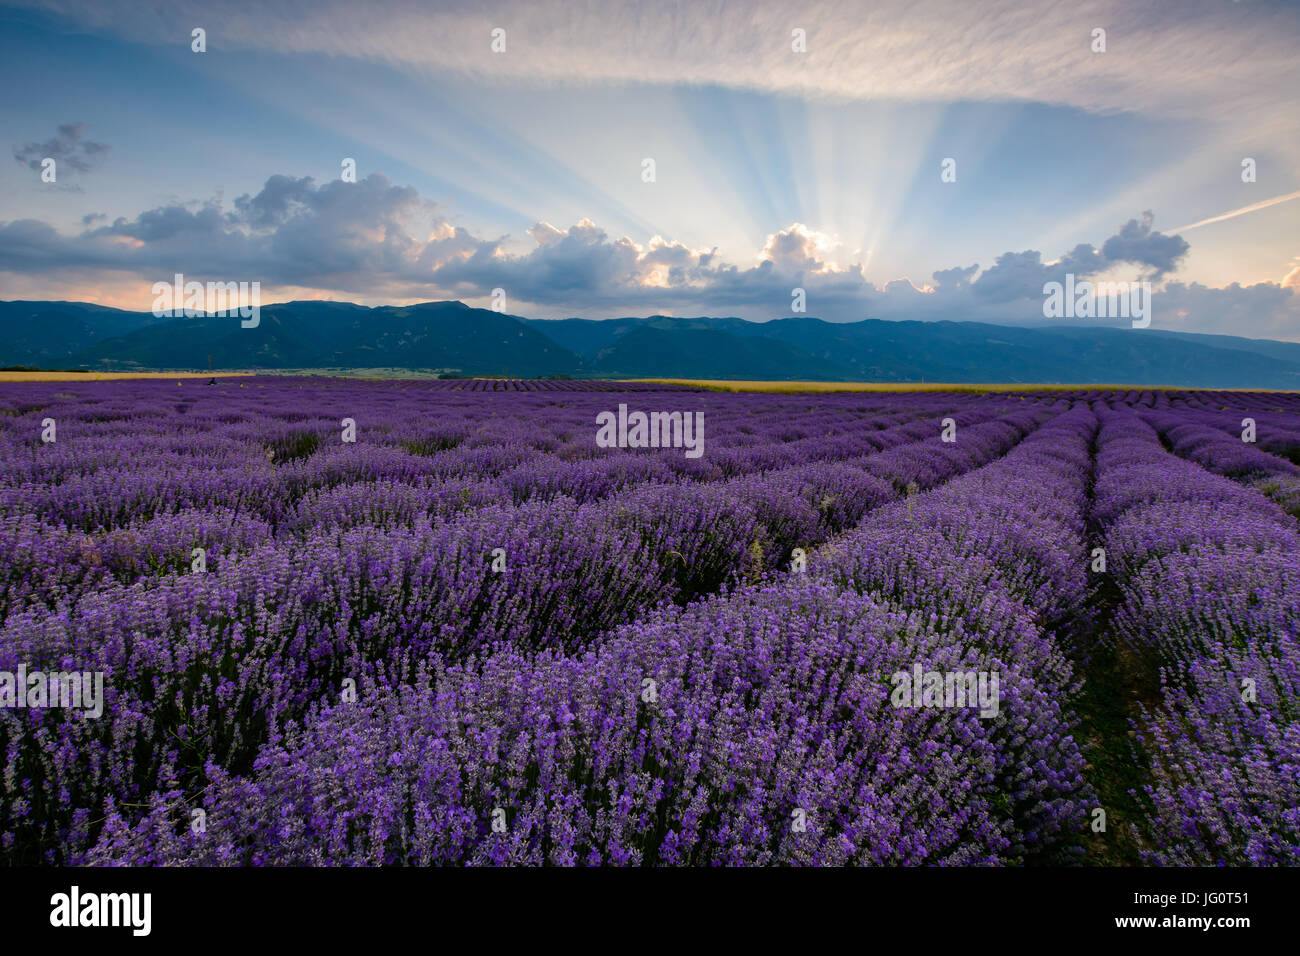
436	622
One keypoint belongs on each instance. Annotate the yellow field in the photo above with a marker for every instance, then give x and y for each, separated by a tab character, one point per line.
719	385
716	385
106	376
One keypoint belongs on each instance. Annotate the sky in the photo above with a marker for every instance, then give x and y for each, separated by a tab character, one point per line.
614	158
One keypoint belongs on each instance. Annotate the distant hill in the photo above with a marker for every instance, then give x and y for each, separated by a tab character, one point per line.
441	335
908	351
878	350
681	349
456	338
49	334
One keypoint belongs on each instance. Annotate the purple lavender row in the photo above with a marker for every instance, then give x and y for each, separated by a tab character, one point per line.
1013	527
1209	574
998	556
1208	446
1274	431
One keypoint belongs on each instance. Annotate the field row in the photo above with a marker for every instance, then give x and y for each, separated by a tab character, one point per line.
474	636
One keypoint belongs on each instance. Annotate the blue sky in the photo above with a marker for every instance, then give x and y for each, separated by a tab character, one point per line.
773	168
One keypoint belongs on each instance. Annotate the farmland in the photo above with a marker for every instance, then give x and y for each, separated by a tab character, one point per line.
435	622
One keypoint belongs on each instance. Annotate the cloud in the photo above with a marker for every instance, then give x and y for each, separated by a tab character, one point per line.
1186	57
955	278
584	266
1019	276
798	251
1138	242
1234	213
293	231
67	148
1263	310
376	241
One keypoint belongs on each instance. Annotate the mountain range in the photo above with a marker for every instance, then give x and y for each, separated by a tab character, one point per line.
454	338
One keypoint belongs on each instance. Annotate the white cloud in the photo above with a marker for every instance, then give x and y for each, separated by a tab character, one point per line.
800	250
1292	279
1178	58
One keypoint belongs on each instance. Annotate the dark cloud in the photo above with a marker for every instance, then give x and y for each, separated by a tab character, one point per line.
1137	242
1015	275
354	237
1264	310
954	278
1021	275
168	223
67	148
